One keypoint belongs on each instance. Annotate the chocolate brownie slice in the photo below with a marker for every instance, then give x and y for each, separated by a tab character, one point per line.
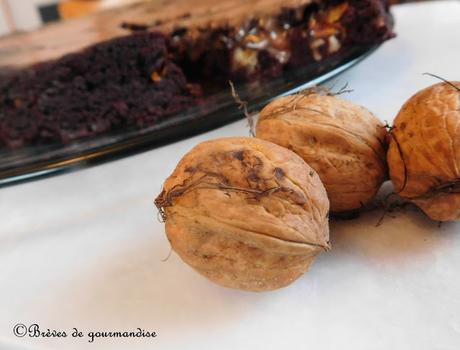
295	37
125	82
137	80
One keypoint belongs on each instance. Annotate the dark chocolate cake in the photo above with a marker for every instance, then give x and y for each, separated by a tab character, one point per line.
138	79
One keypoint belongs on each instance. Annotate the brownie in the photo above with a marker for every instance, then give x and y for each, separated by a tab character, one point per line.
125	82
138	80
295	37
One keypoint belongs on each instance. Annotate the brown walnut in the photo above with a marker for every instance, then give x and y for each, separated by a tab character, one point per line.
245	213
424	153
343	142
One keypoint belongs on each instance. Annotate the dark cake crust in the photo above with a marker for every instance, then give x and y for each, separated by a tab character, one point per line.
137	80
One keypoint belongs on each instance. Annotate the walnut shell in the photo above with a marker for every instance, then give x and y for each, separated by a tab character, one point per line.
343	142
424	153
245	213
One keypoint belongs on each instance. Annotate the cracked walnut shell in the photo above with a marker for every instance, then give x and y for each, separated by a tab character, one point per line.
424	153
245	213
343	142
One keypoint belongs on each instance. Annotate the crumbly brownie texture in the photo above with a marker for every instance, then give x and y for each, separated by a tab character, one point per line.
137	80
109	86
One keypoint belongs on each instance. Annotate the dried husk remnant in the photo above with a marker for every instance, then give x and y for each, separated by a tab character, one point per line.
245	213
424	153
343	142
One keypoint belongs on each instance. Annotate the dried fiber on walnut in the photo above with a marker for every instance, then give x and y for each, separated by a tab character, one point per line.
343	142
245	213
424	154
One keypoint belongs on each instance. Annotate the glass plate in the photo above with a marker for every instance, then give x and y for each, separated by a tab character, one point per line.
219	109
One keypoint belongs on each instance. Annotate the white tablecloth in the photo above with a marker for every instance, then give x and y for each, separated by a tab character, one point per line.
85	249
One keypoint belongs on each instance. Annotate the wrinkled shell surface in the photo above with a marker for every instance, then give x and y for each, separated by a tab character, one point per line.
343	142
424	154
245	213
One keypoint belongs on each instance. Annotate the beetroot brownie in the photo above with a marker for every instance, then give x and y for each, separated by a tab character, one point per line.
135	81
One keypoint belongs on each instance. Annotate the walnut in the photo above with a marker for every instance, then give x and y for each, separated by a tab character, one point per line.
158	75
325	30
245	213
343	142
245	58
424	154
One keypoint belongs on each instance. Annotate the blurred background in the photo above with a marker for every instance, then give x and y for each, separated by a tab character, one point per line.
19	15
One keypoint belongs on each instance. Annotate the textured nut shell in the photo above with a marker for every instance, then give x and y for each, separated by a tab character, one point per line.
343	142
247	240
424	152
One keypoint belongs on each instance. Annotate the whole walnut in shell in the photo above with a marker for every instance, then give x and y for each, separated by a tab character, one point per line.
424	153
245	213
343	142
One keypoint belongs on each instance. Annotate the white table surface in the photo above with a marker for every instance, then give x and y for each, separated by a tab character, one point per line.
84	249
